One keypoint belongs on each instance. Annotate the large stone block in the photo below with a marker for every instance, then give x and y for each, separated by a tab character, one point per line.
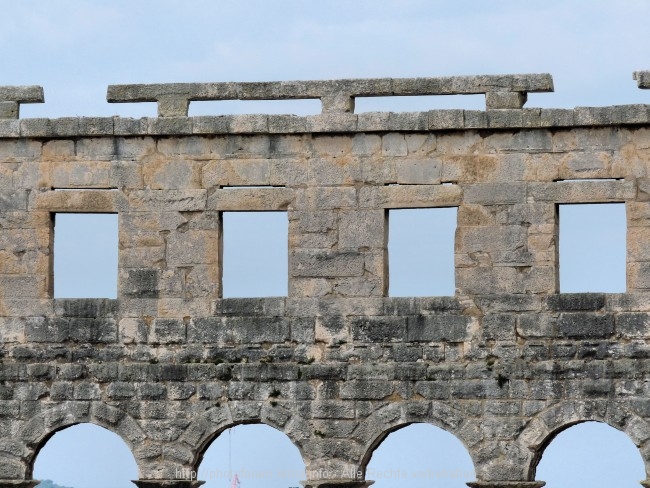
84	330
257	330
325	198
366	390
585	325
633	325
494	193
587	191
409	196
438	328
317	263
506	279
160	173
86	307
378	329
140	283
326	171
13	200
250	199
79	201
192	247
499	326
167	200
168	331
362	229
574	302
237	172
418	171
491	238
73	174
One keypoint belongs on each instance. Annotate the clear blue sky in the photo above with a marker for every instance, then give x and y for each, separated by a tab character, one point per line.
76	48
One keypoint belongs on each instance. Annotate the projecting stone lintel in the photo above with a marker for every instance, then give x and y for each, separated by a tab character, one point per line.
337	96
12	96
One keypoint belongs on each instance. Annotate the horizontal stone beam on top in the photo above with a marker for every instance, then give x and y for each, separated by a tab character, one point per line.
496	120
337	96
12	96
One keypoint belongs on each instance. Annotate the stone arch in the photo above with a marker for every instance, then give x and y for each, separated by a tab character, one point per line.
214	421
540	431
390	418
40	428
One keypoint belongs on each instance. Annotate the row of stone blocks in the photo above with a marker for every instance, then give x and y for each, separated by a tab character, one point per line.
453	119
270	321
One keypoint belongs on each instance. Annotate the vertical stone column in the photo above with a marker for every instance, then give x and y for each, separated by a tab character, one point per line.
187	236
25	243
638	236
25	259
335	248
170	251
364	231
504	244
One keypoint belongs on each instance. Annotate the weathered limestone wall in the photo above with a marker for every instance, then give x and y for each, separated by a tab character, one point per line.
504	364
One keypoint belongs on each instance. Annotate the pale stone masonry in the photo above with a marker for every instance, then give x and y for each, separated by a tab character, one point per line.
504	364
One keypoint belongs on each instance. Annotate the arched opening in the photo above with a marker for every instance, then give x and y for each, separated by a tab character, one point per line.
85	456
259	455
590	454
420	456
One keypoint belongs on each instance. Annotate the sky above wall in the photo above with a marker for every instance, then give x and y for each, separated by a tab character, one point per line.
75	49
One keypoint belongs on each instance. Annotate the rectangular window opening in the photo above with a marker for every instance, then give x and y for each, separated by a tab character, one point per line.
419	103
85	255
240	107
421	251
592	247
255	254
